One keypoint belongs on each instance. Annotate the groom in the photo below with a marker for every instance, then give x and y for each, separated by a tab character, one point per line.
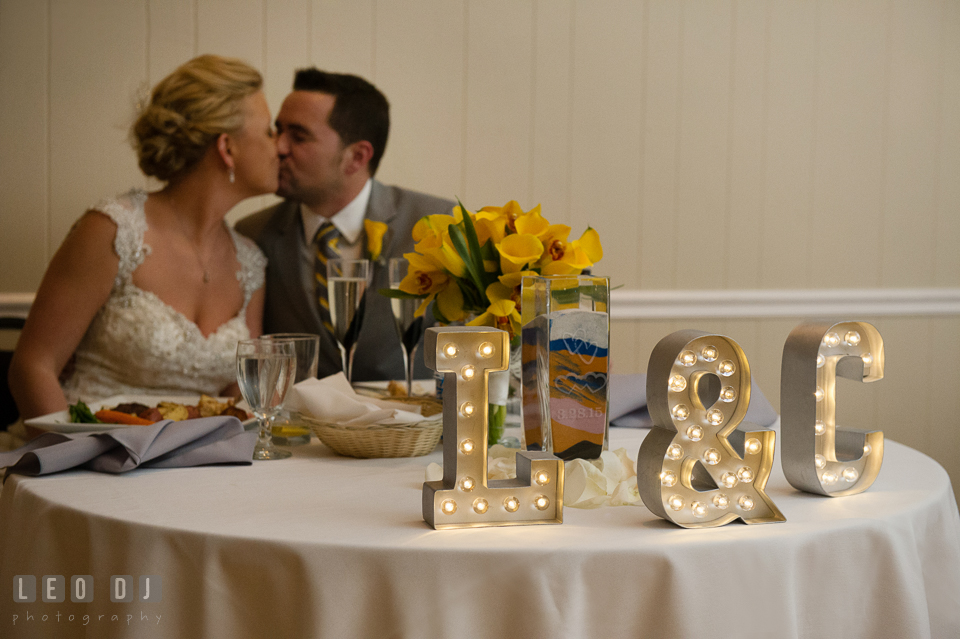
332	131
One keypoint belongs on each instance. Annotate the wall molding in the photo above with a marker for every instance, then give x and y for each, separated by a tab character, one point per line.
732	304
783	303
15	304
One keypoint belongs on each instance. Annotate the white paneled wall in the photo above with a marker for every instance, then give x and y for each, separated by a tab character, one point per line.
734	144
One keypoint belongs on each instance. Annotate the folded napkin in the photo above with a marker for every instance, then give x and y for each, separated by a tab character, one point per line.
165	444
332	399
628	403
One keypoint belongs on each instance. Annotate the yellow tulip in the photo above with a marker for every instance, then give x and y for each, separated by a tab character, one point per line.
450	303
563	258
431	226
502	311
532	222
513	280
375	232
517	251
441	250
423	276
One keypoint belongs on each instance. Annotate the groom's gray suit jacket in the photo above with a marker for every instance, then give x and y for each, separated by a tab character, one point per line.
289	308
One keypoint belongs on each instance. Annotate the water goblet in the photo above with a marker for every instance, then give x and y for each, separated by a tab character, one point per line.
288	427
409	327
346	284
265	372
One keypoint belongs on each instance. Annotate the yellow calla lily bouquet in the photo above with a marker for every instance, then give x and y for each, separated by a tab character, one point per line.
472	264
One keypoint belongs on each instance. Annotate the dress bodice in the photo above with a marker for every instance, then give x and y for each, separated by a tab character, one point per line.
138	344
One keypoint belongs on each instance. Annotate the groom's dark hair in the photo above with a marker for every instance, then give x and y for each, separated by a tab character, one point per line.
360	111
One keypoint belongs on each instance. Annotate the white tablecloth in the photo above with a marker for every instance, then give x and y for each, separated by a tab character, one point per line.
326	546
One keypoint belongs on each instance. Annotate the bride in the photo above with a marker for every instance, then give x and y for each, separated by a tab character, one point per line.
150	292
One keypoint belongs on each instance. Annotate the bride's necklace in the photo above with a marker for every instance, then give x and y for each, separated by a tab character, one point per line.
203	265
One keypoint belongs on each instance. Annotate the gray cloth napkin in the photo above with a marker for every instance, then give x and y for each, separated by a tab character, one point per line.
165	444
628	403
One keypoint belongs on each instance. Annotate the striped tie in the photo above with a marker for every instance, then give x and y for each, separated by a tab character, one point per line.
325	248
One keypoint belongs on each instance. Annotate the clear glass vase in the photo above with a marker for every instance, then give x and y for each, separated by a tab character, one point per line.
565	364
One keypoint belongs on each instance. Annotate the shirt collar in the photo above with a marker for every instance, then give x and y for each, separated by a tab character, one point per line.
348	220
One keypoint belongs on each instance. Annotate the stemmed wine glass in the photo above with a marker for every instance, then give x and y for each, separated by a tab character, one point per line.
346	284
408	326
265	372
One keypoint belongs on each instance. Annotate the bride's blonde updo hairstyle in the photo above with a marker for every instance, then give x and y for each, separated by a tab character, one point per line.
188	110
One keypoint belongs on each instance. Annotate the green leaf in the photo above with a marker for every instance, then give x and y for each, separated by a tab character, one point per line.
397	294
460	244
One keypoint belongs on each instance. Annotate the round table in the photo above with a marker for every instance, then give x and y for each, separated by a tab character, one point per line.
327	546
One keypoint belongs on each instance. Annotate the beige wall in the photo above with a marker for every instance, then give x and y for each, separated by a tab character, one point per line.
715	145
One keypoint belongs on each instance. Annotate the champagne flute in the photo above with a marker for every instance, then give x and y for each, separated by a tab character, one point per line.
265	372
408	326
346	284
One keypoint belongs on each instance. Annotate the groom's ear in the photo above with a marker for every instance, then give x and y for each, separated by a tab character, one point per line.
225	150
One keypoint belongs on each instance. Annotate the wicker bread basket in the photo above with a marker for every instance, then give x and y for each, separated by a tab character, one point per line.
383	440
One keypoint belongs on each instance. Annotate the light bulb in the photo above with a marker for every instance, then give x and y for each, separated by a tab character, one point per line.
542	478
675	502
729	480
675	451
745	473
867	359
819	461
867	449
721	501
852	338
695	433
711	456
511	504
709	353
829	477
820	360
678	383
850	474
466	446
468	372
745	502
680	412
728	394
467	484
752	446
467	409
699	508
450	350
448	506
541	502
668	478
831	339
480	505
485	349
687	358
818	428
715	416
726	368
818	394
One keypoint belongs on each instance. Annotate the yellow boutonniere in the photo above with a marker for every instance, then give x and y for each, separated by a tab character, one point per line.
375	232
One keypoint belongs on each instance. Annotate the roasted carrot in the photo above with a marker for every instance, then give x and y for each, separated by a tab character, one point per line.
116	417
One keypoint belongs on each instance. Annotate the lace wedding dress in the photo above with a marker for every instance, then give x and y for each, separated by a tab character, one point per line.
137	344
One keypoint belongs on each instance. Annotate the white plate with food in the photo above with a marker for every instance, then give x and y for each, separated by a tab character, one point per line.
152	407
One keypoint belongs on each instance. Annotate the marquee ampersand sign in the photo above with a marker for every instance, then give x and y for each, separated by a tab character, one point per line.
464	498
696	468
818	456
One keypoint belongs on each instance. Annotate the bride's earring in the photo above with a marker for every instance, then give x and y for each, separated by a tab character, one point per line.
232	177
